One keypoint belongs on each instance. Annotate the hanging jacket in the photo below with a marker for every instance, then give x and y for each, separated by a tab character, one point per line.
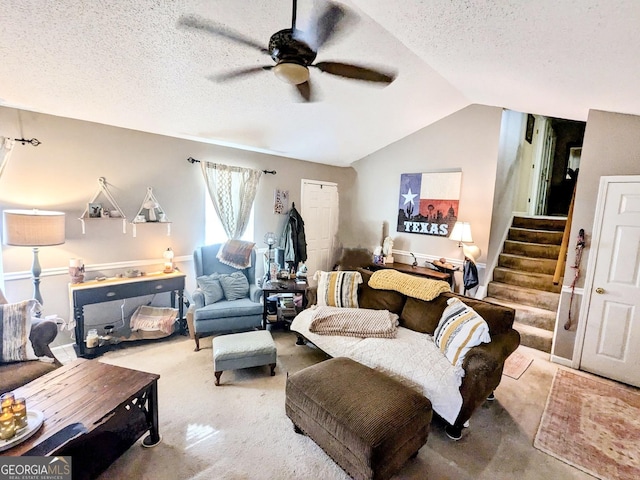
470	275
295	241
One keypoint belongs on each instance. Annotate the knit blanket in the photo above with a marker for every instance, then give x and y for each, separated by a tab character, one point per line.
236	253
152	319
354	322
409	285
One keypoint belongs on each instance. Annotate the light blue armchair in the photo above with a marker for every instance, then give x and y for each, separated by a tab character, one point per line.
224	316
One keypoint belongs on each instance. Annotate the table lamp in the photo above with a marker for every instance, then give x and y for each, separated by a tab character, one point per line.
34	228
168	260
270	239
461	233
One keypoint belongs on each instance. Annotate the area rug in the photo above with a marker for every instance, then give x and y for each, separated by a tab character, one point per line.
592	424
515	365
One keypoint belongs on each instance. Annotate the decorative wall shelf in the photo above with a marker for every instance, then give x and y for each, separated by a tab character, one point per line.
98	211
150	212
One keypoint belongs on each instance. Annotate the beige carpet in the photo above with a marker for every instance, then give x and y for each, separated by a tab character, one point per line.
593	424
516	365
239	430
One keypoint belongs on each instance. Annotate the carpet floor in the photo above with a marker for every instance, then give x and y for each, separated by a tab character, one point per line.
239	430
601	424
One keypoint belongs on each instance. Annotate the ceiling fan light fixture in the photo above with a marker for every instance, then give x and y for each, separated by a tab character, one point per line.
291	73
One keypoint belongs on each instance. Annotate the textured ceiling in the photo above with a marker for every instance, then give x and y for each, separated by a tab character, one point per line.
126	63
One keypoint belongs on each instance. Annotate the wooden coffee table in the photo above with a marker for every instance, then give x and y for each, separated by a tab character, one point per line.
92	411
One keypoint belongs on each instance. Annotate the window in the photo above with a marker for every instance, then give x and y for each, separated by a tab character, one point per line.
213	231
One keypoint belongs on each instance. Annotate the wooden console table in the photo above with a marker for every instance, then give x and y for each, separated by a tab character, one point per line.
94	291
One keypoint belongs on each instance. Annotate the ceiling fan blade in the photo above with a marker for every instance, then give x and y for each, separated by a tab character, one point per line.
235	74
355	72
304	89
208	26
324	27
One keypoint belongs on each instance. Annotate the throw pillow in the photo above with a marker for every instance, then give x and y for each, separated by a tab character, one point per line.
15	328
211	287
235	285
459	330
338	289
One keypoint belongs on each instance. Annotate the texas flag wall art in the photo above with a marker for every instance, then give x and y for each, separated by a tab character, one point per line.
428	202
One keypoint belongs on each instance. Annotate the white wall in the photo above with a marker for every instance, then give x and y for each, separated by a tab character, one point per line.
62	174
611	147
468	140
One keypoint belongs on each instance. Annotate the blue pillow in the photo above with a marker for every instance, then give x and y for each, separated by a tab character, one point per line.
235	285
210	286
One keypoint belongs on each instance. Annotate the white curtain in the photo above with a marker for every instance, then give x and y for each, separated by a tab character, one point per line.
232	191
6	146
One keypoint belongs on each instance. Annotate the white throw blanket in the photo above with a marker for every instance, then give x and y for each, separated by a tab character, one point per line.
354	322
411	357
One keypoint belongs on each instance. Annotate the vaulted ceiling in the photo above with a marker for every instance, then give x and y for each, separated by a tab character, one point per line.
128	64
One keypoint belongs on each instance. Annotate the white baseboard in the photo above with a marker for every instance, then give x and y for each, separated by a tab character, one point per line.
565	362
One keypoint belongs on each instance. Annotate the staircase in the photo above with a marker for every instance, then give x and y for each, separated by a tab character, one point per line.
523	278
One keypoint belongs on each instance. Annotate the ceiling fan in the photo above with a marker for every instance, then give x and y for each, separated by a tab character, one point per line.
293	50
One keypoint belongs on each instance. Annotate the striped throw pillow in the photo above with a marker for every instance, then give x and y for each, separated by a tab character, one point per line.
459	330
338	289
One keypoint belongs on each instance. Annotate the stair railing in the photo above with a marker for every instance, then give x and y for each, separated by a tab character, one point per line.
562	256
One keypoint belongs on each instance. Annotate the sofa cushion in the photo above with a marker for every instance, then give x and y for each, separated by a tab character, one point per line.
338	289
15	328
234	285
379	299
15	375
424	316
233	308
459	330
211	288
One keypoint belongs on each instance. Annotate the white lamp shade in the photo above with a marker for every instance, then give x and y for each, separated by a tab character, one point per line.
461	232
33	228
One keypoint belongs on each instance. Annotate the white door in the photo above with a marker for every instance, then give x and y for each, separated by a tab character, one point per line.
611	346
546	163
320	215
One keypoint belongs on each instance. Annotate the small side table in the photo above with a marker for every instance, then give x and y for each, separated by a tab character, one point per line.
281	286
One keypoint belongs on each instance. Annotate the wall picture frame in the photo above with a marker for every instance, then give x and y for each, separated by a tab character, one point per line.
428	202
94	210
280	201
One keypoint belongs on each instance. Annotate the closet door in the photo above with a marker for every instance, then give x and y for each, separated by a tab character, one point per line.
320	215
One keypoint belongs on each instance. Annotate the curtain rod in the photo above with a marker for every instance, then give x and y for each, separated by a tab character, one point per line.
34	141
193	160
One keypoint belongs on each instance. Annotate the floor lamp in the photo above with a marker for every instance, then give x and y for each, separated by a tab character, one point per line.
34	228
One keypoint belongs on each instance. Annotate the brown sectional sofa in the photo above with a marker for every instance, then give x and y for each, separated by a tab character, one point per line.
482	365
17	374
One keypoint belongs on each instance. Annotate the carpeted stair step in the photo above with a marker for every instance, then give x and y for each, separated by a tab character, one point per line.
545	237
531	249
524	296
527	315
527	264
538	281
534	337
540	223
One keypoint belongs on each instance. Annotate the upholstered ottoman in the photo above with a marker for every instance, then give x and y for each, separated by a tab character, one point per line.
243	350
369	423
